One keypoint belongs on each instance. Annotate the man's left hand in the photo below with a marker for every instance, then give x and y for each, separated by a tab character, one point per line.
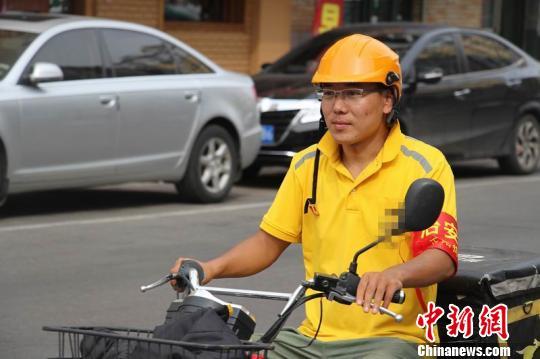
377	287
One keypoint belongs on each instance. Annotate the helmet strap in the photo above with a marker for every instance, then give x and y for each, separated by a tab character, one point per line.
322	126
392	117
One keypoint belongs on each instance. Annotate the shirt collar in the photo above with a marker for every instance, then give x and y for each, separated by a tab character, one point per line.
390	149
329	147
393	143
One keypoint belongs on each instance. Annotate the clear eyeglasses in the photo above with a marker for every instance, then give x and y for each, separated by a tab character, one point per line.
346	94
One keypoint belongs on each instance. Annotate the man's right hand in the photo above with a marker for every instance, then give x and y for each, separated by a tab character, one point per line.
176	268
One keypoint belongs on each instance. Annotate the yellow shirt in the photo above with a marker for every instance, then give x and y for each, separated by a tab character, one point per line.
351	211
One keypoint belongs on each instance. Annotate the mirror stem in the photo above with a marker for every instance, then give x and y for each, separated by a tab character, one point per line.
354	264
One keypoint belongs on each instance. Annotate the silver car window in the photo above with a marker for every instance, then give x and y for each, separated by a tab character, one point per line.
76	52
137	54
187	63
12	45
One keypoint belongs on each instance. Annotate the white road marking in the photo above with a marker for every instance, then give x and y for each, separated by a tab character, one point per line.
189	212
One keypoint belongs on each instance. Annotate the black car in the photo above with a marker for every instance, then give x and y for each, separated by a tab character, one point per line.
468	92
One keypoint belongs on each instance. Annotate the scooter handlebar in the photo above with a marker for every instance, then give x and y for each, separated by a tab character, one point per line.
187	265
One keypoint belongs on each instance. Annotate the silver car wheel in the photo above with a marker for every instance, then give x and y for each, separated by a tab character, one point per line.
527	144
215	165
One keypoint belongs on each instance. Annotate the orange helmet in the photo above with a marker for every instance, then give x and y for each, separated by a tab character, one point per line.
360	58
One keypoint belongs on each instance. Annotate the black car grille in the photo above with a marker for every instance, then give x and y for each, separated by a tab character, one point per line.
279	119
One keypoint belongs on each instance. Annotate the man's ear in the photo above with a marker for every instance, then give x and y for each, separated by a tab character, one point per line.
388	102
390	109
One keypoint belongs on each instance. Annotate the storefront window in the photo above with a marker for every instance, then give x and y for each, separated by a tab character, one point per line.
227	11
52	6
377	10
60	6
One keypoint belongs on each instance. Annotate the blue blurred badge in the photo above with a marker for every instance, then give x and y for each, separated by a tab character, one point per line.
267	134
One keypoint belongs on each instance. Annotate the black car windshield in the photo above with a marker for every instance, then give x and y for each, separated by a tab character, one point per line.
305	58
12	45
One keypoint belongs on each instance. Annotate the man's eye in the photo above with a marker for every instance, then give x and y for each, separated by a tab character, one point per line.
353	93
328	93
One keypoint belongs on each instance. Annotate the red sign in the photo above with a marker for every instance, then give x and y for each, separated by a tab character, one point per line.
328	15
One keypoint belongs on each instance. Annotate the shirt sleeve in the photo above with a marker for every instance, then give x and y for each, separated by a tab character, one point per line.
443	234
284	218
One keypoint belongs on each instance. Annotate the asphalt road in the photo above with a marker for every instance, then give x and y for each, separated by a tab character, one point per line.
79	257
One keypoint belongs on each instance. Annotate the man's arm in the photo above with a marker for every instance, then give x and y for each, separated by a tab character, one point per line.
431	266
246	258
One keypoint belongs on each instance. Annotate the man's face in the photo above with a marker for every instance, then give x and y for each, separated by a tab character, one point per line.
354	117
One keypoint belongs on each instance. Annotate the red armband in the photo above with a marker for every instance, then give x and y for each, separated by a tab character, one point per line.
443	235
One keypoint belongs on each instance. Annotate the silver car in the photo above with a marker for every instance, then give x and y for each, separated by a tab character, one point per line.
87	102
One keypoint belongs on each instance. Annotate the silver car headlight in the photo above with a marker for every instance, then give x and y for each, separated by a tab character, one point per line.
309	115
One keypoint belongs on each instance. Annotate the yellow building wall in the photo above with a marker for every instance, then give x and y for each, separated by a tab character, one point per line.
146	12
228	44
271	33
466	13
229	49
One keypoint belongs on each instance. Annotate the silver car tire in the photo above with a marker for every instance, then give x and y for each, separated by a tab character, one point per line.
525	148
212	167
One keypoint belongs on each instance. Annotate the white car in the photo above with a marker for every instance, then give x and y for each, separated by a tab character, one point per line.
87	102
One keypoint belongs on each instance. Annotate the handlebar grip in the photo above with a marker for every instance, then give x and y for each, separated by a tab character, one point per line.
188	264
351	285
398	297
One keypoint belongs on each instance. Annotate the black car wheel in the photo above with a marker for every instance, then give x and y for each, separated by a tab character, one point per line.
212	167
525	153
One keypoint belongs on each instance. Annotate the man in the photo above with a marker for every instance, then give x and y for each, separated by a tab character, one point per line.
332	201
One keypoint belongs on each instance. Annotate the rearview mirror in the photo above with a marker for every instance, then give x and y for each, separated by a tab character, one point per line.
430	76
423	204
45	72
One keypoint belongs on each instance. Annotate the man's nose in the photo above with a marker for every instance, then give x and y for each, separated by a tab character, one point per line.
339	104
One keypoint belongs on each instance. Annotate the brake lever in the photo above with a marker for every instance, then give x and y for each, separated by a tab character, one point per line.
397	317
159	282
172	276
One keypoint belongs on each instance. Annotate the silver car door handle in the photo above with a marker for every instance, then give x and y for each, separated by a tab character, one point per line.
191	96
108	101
461	93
